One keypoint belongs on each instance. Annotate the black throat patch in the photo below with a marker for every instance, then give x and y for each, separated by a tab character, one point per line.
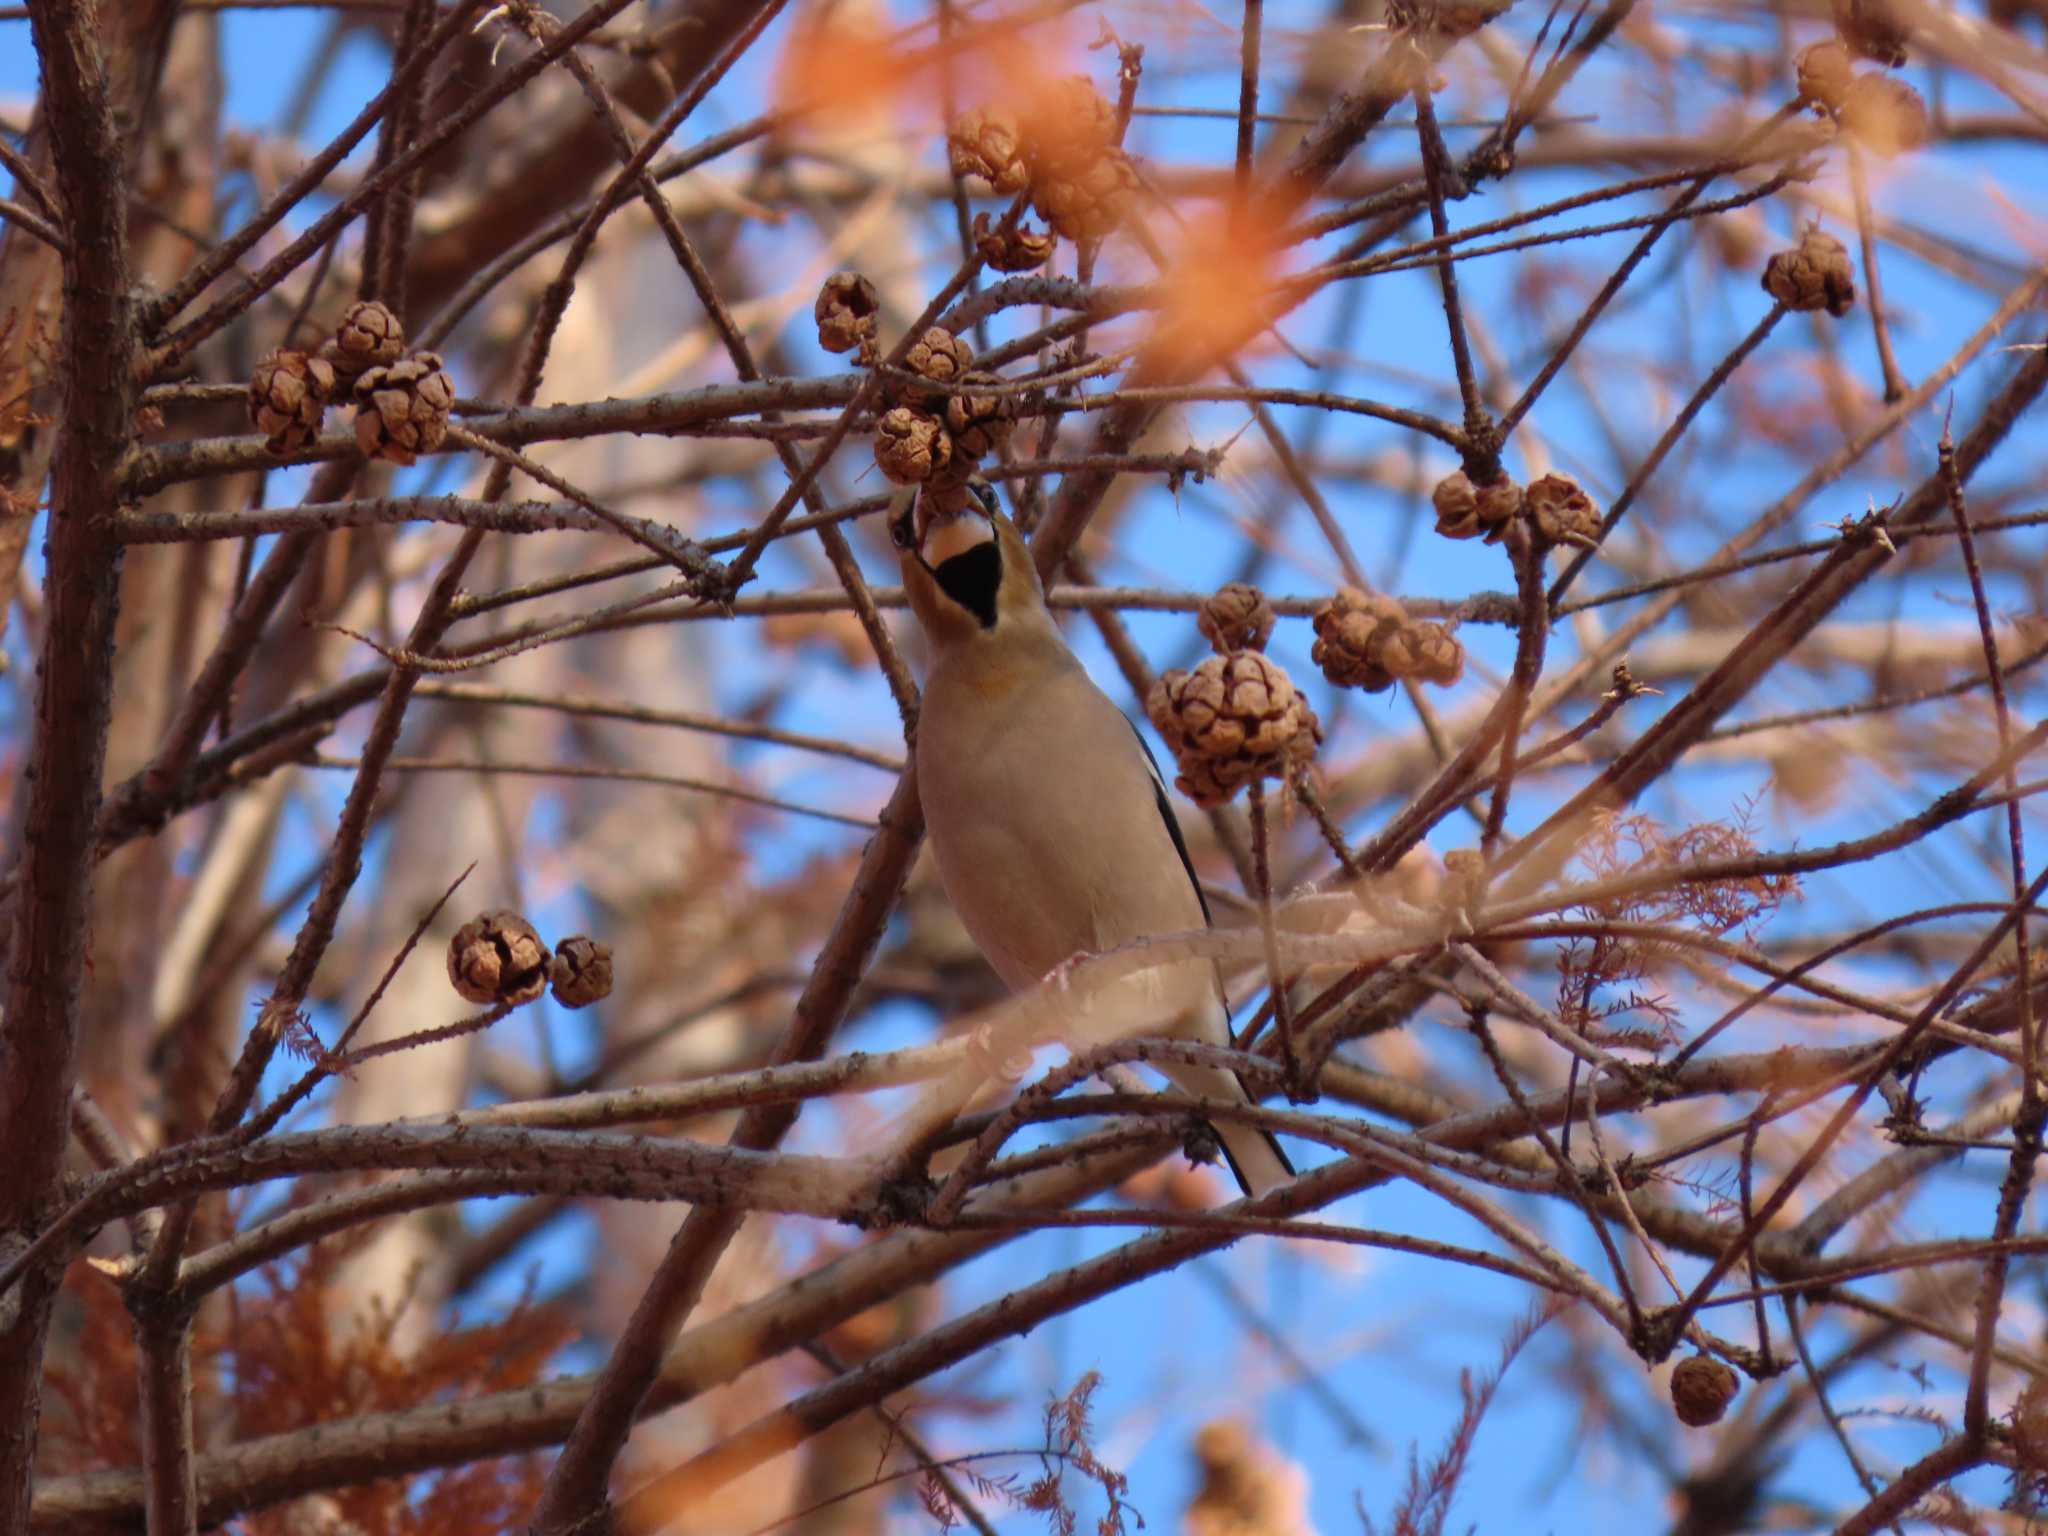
972	579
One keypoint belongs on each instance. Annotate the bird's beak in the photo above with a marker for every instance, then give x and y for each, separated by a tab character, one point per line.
944	538
937	528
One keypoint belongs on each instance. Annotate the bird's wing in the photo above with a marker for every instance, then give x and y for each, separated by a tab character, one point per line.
1255	1156
1180	842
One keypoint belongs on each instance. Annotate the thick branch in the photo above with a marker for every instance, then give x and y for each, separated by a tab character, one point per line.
74	699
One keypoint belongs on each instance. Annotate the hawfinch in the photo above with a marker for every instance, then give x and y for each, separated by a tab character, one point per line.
1047	816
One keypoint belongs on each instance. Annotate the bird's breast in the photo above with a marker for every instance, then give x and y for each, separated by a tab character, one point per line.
1044	822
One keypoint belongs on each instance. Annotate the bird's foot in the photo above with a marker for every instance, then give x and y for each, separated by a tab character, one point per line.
899	1201
1199	1142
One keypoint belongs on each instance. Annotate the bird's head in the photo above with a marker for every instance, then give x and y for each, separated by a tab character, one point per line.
966	568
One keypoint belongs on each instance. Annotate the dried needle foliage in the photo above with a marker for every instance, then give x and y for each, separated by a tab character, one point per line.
1425	1503
287	1360
439	539
1624	945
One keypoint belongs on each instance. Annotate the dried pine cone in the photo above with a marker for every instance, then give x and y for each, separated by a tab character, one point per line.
1018	248
1352	629
1701	1390
368	336
497	958
940	356
1071	125
1247	1489
1237	618
581	972
978	424
1233	719
1886	116
1464	877
1085	201
1466	511
1426	651
1824	73
1563	513
846	312
911	447
986	143
1815	274
288	395
951	478
938	503
402	411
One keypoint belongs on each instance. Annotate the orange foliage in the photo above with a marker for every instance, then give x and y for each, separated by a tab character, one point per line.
1219	288
94	1393
285	1361
1627	844
845	61
839	62
297	1364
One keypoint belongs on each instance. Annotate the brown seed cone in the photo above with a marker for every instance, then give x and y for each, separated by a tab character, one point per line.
1017	249
1425	651
1233	719
950	479
911	447
986	143
1071	126
1086	201
1247	1489
1815	274
1352	629
288	395
1824	71
1884	115
979	424
943	358
1701	1390
581	972
497	958
846	312
938	502
1468	511
402	411
1562	512
368	336
1237	618
1464	877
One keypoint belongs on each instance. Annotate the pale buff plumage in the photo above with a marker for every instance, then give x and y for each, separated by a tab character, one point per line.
1050	828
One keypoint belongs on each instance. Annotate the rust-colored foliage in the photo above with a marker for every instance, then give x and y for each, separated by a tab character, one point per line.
1426	1499
288	1359
1629	844
1068	1447
92	1417
1219	292
295	1363
838	64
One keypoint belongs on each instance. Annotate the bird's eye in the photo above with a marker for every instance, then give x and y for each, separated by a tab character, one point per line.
903	527
985	494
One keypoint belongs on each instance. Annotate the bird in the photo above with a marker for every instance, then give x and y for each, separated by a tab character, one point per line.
1047	816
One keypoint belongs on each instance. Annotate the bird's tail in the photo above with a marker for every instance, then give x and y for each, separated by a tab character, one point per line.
1254	1154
